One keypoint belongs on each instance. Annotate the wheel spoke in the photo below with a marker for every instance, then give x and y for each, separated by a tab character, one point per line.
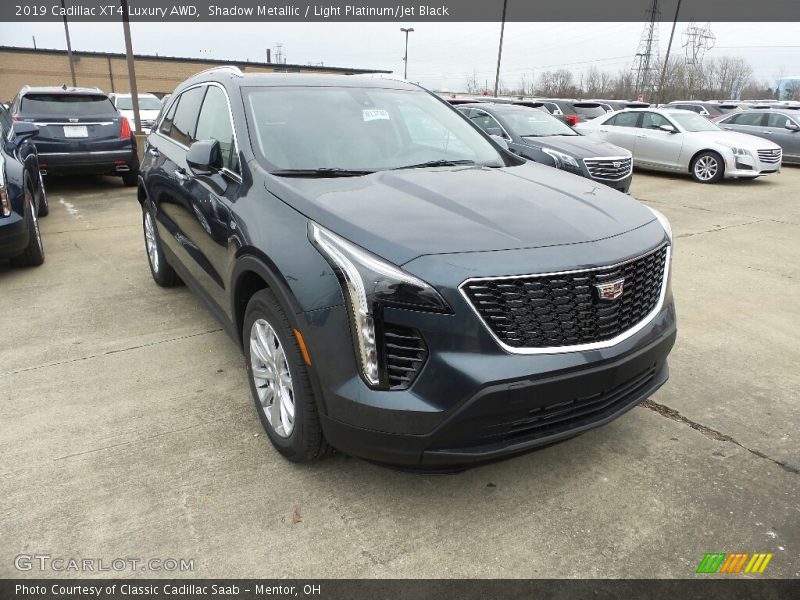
272	378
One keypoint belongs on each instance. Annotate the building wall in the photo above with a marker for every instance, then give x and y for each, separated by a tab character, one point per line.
109	72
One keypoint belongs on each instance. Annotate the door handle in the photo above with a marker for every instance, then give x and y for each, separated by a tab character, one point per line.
767	132
641	136
181	174
603	130
153	151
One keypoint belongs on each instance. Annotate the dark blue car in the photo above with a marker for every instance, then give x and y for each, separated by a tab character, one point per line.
80	131
22	196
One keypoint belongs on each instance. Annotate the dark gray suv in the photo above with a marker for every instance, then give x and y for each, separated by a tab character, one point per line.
403	289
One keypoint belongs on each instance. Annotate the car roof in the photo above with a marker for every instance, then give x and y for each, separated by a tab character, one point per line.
235	77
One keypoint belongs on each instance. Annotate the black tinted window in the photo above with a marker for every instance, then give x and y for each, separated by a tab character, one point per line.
67	105
778	120
185	121
215	124
166	124
5	122
749	119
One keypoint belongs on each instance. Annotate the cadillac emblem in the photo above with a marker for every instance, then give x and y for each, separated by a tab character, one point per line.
611	290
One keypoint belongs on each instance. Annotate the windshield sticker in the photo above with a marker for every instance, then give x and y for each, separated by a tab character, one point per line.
375	114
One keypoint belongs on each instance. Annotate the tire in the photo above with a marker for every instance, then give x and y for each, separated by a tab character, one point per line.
298	438
44	207
130	179
33	255
708	167
162	272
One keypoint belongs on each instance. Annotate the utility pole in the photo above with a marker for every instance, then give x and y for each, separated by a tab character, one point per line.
646	58
405	56
666	59
500	49
69	46
126	27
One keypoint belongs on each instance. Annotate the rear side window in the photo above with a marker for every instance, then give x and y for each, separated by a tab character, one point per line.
184	122
624	120
67	105
753	119
215	124
166	124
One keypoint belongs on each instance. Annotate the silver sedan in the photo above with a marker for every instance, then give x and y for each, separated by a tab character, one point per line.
681	141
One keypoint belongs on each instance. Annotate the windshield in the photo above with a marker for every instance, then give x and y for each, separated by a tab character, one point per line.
692	122
359	129
534	123
72	105
145	103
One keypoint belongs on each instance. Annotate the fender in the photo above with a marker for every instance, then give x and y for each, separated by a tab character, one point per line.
251	260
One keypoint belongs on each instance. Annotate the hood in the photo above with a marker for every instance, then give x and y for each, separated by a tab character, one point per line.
741	140
403	214
144	115
579	146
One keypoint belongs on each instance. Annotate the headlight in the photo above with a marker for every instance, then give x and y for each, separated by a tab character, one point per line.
369	283
664	222
736	151
563	161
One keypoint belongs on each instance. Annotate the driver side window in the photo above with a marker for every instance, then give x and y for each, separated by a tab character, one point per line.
488	123
652	120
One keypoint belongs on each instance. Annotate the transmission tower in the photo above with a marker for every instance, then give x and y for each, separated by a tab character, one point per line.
645	63
696	42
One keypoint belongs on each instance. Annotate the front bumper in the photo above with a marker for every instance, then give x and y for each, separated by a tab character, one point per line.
468	406
749	166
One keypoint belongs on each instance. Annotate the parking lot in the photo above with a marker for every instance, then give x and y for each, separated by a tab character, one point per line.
128	429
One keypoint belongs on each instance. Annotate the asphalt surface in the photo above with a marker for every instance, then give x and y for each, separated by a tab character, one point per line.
128	431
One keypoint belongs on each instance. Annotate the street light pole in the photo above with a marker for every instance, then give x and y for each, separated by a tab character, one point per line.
69	46
500	49
126	28
405	56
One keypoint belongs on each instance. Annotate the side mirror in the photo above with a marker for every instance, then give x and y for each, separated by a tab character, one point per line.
668	128
24	131
792	126
204	156
501	140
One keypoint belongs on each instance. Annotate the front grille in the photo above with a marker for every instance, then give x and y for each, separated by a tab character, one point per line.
563	309
404	353
770	156
608	168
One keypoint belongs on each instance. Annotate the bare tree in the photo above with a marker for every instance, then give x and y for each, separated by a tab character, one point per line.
473	87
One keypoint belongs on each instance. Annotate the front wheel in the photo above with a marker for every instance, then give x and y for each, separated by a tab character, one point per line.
163	273
44	207
279	381
708	167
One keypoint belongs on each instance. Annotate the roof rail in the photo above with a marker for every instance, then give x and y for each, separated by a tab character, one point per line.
232	68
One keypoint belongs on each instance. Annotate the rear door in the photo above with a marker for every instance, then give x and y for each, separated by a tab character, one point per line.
73	123
655	147
621	130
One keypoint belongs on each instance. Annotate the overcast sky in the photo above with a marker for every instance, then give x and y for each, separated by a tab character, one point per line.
441	55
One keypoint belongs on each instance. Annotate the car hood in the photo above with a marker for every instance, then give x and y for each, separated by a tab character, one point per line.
145	115
403	214
579	146
741	140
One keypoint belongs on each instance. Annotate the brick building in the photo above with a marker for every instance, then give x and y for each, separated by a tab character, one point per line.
109	71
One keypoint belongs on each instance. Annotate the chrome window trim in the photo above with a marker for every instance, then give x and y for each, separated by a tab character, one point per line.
576	347
174	97
630	170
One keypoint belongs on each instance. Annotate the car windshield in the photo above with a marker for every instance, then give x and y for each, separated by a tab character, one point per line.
534	123
692	122
72	105
145	103
359	129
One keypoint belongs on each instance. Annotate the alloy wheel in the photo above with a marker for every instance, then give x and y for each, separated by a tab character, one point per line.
150	241
273	381
706	168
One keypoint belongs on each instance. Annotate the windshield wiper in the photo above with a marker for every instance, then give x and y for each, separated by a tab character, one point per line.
321	172
437	163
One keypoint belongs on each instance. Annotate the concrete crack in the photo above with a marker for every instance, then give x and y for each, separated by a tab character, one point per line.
109	352
686	235
674	415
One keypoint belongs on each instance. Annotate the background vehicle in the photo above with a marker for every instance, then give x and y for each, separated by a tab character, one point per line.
542	138
683	141
621	104
779	126
22	195
710	110
576	111
288	203
80	131
149	107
